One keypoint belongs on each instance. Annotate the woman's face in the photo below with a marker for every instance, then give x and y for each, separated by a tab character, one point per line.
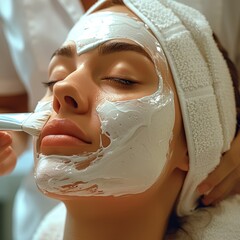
113	114
114	71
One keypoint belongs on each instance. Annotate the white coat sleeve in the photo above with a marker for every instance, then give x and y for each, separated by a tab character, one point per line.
33	31
10	83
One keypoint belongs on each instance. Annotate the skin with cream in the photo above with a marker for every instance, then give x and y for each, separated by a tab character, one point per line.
106	149
137	129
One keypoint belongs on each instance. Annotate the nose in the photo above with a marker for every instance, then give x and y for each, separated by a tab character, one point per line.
68	97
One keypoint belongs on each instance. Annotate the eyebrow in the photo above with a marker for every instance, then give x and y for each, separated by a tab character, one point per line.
105	48
65	51
112	47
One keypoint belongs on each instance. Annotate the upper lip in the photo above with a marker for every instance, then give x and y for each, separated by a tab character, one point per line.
64	127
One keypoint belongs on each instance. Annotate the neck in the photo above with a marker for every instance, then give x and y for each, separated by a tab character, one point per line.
109	222
142	216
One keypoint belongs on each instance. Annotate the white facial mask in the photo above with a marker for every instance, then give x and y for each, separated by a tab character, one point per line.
44	105
140	130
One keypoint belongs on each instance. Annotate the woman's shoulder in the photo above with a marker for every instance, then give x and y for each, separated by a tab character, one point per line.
52	225
220	222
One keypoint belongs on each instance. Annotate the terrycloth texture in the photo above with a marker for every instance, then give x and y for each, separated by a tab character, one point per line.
203	84
214	223
52	225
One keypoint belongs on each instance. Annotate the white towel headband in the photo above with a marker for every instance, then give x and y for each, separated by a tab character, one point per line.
203	84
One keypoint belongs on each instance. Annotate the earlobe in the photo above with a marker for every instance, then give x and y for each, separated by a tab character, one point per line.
184	164
179	158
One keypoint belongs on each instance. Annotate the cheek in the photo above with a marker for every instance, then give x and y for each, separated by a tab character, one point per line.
101	139
105	140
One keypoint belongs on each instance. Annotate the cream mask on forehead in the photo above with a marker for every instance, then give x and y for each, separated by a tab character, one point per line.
139	130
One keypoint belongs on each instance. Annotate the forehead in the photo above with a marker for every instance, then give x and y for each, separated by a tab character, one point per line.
95	29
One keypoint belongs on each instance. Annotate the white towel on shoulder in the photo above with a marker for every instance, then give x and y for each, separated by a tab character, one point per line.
213	223
52	225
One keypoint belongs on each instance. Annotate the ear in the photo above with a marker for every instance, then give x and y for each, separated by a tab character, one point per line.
183	164
179	151
179	155
178	145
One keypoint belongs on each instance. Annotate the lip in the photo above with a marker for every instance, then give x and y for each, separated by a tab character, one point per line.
64	129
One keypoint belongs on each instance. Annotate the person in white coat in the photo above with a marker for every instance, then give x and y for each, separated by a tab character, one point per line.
29	32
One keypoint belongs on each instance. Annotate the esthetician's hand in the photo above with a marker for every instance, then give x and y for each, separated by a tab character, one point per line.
12	144
7	154
225	179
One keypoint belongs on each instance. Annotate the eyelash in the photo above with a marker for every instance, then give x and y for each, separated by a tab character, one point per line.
49	84
121	81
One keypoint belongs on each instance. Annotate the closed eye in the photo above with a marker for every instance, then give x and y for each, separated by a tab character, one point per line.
50	84
121	81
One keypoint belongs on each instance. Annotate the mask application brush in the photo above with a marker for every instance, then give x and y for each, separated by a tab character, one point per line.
31	123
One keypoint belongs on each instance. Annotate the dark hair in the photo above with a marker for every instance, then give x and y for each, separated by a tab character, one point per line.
117	2
235	78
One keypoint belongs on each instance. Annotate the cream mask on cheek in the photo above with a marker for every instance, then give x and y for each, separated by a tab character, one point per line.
139	130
